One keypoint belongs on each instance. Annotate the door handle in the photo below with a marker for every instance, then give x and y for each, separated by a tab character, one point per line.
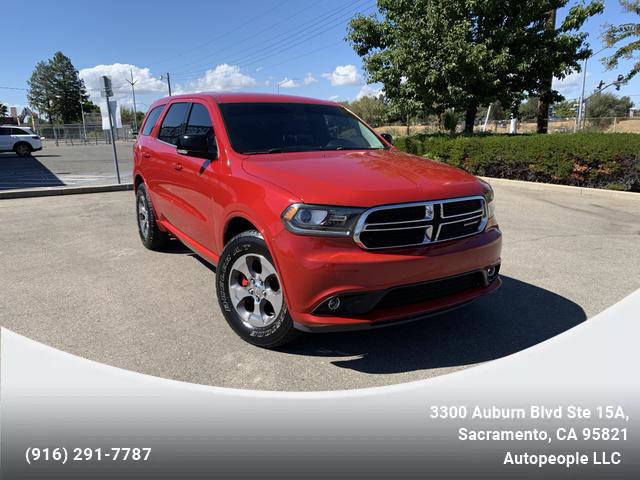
177	166
146	155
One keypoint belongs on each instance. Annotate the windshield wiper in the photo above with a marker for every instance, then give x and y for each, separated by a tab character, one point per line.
259	152
341	147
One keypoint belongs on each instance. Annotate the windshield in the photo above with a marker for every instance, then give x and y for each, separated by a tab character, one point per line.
256	128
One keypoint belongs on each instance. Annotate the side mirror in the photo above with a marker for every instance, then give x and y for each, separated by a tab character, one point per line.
388	137
197	146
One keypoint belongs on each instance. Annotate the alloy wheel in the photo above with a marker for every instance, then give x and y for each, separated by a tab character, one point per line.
255	290
143	216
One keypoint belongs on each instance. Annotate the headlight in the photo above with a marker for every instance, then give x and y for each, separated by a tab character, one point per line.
321	220
488	200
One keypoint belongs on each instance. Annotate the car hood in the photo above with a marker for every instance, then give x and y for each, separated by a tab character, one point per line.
362	178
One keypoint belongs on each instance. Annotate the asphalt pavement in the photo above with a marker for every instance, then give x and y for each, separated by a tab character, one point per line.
75	276
66	166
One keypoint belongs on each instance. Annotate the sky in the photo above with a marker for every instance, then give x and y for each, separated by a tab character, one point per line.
296	46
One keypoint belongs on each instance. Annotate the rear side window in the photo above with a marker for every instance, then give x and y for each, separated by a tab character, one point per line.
174	123
152	118
5	131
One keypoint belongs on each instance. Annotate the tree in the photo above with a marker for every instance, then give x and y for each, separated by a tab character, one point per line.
614	35
449	120
602	107
56	88
126	114
4	111
565	109
372	110
528	110
432	55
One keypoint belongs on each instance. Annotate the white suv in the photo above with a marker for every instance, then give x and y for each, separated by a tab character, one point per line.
20	140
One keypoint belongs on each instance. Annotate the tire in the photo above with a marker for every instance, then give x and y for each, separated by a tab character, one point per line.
152	237
22	149
250	292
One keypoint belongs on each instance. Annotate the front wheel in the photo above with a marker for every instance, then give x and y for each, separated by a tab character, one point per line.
23	149
250	292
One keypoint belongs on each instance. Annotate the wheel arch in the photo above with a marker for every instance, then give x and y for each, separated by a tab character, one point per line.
235	225
137	180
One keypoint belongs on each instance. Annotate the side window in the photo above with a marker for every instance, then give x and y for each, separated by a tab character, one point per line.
200	123
152	118
18	131
173	124
5	131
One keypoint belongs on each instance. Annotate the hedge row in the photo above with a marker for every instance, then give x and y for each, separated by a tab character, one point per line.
601	160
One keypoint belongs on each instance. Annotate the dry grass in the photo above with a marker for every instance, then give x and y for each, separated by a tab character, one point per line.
620	125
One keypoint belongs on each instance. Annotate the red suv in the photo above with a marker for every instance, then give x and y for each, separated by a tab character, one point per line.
313	221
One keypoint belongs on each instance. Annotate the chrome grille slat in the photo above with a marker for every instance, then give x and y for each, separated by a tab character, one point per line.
370	235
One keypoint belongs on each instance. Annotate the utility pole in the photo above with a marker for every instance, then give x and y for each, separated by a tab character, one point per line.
108	92
135	110
168	82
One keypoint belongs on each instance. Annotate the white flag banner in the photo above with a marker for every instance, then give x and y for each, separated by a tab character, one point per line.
115	114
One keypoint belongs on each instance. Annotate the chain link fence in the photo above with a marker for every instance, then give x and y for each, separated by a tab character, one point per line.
556	125
79	134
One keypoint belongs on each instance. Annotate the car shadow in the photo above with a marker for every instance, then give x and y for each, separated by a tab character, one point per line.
25	172
519	315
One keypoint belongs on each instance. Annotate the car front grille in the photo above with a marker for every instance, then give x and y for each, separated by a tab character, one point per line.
414	224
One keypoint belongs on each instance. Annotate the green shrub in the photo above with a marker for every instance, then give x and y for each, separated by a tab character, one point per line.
601	160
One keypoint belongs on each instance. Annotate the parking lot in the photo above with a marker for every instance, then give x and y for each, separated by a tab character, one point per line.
66	165
75	276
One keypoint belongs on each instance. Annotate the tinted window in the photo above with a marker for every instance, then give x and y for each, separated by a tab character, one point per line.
290	127
174	123
152	118
200	124
5	131
199	121
18	131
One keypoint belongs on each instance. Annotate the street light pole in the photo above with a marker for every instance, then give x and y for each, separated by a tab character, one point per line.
581	106
84	127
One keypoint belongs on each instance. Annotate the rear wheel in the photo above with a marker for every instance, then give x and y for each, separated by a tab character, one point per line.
22	149
250	292
152	237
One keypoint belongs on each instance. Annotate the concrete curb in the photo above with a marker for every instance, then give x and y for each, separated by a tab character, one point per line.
582	191
50	191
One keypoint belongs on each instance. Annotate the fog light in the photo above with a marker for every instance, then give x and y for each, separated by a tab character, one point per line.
334	303
491	271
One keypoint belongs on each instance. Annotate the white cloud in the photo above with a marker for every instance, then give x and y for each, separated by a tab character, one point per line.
343	75
309	79
334	98
288	83
222	78
569	86
369	91
121	72
258	69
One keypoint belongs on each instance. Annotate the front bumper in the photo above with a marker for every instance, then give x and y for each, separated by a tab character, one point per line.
313	270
